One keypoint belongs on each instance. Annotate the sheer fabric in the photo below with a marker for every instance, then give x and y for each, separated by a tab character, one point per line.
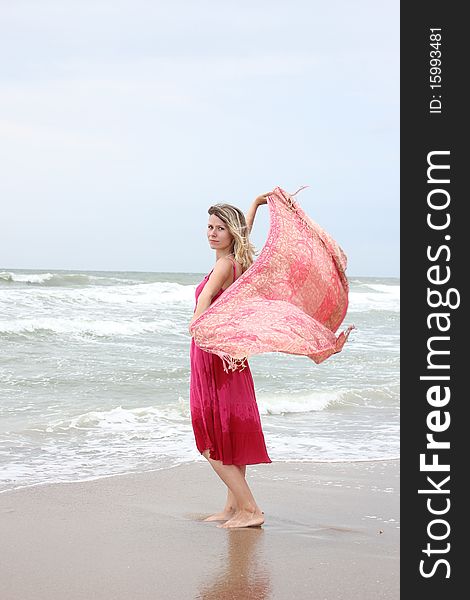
292	299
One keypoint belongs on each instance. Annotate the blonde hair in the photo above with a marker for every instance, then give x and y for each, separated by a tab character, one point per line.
243	250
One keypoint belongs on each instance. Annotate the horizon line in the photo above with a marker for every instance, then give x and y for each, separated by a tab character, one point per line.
156	272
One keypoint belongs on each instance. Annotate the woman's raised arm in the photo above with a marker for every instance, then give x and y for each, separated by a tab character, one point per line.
250	215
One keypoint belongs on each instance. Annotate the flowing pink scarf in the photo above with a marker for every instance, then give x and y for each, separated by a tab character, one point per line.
292	299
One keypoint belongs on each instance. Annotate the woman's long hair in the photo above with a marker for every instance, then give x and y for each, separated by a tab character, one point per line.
243	250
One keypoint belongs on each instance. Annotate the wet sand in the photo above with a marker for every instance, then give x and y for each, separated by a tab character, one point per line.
331	533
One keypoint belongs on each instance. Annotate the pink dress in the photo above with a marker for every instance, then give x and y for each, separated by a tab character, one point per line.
224	413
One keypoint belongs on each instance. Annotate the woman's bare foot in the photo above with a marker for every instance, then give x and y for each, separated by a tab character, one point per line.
245	518
221	516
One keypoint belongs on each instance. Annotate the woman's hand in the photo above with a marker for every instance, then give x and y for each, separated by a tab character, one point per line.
262	199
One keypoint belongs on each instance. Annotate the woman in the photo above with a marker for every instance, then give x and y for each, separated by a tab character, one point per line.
224	413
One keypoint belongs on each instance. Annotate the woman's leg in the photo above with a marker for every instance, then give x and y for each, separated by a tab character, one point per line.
247	512
230	507
231	504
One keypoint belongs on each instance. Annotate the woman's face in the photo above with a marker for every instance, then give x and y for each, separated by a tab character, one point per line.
218	233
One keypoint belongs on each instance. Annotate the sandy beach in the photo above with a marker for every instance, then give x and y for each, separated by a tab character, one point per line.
331	532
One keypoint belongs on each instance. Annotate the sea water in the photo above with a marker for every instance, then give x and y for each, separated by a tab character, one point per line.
94	378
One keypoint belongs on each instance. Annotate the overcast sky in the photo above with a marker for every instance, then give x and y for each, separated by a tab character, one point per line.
121	122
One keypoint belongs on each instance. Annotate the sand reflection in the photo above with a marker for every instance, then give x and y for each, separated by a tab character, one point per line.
243	572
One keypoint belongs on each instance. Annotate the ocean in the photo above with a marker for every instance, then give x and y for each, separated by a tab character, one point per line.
94	378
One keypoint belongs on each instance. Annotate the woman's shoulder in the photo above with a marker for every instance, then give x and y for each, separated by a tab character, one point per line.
230	260
223	266
224	260
227	260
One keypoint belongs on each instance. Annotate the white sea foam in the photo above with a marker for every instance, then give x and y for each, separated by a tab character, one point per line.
153	418
72	415
159	292
6	276
382	297
60	279
26	277
151	295
124	419
92	327
278	404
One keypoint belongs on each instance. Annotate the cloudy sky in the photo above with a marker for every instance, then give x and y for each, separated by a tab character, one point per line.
122	121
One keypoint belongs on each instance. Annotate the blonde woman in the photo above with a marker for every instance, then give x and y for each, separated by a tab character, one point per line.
224	413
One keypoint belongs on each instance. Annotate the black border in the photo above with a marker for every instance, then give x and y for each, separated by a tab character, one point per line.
421	133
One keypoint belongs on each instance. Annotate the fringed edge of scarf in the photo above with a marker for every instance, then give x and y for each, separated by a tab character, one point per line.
340	341
231	363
